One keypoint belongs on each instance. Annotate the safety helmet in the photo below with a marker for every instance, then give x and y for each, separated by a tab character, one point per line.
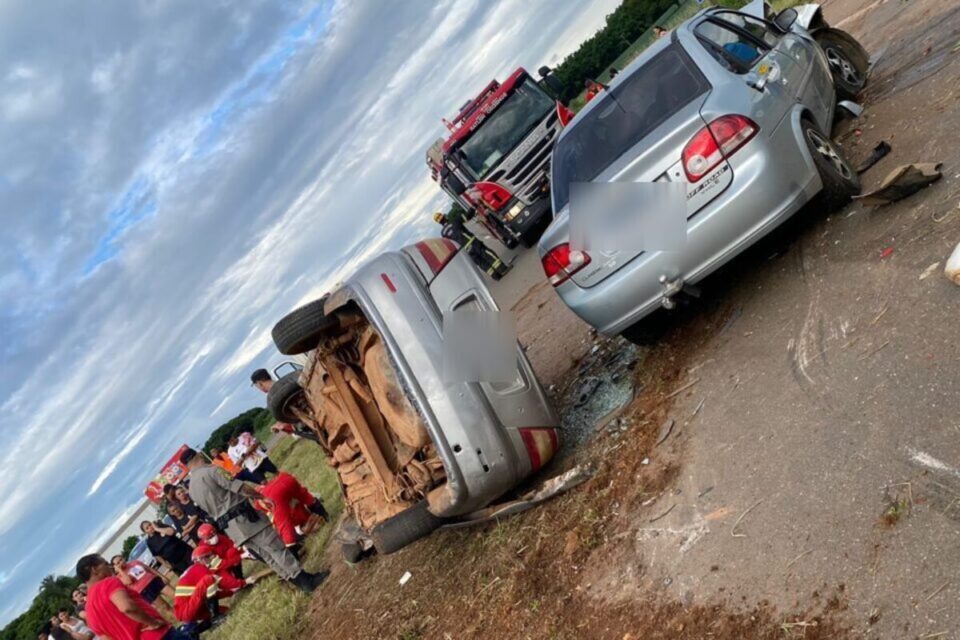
202	551
439	218
206	531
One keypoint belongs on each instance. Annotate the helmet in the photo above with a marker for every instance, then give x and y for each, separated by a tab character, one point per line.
206	531
202	551
439	218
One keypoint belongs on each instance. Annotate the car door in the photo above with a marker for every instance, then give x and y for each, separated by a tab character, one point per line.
760	56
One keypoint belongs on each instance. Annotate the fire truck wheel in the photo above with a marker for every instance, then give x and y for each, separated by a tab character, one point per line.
300	330
281	393
404	528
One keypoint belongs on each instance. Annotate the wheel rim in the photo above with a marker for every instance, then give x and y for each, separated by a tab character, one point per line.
841	66
828	152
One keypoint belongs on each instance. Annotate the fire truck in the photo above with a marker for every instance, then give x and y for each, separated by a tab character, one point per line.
495	161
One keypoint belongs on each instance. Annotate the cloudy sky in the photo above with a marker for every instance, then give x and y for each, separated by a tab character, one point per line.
174	177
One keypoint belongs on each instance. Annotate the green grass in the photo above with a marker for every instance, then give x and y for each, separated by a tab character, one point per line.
272	610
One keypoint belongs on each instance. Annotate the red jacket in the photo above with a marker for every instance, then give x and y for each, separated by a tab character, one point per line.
197	585
227	551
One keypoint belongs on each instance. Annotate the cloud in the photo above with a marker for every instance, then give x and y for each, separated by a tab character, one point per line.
174	178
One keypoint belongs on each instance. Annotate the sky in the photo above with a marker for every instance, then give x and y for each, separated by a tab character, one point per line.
175	176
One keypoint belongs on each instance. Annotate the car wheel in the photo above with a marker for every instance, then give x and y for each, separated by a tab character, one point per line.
404	528
300	330
840	180
281	393
848	65
648	331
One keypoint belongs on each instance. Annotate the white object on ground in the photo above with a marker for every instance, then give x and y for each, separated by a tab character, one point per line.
929	271
952	270
405	578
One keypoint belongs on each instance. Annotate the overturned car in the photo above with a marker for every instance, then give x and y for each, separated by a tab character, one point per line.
412	451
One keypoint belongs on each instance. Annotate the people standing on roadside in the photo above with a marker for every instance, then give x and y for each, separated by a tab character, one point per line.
115	611
220	459
593	89
59	633
248	453
76	627
228	503
659	31
262	380
79	597
151	586
185	525
166	546
483	256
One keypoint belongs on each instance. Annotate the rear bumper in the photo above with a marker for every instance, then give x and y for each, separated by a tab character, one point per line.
473	425
773	178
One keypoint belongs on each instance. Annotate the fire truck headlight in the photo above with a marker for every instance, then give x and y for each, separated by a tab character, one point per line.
514	212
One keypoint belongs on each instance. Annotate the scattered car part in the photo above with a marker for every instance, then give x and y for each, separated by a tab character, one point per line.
903	181
880	151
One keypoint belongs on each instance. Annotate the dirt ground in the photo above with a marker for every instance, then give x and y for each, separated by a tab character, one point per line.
809	485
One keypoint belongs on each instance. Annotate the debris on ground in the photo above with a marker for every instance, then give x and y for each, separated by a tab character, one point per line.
886	253
608	385
952	270
929	271
665	431
903	181
879	152
405	578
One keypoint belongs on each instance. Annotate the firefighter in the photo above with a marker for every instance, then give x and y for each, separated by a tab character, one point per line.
488	261
197	596
293	508
230	558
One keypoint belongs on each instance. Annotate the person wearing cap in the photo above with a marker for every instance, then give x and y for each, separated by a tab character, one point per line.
198	593
231	560
228	502
115	611
293	508
482	255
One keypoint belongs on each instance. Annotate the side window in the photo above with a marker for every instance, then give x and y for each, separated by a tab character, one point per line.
736	40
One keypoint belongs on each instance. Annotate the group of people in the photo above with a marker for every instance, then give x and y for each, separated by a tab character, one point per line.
231	509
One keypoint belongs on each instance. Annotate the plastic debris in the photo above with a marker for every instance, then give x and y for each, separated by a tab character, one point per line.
903	181
880	151
405	578
929	271
886	253
952	270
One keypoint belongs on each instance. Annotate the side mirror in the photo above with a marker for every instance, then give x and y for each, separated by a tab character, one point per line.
544	71
555	85
785	19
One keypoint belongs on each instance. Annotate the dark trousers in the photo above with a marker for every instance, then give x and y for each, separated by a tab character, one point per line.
258	475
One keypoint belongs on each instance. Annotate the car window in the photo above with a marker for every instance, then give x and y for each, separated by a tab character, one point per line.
735	40
621	117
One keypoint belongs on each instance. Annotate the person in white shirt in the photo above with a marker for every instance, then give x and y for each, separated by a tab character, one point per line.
246	451
76	627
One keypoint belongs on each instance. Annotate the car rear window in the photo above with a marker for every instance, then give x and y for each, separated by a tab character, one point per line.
624	116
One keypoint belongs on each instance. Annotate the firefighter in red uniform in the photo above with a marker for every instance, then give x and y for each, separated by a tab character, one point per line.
231	560
293	507
196	600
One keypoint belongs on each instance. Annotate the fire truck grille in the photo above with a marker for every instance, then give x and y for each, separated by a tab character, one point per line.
525	177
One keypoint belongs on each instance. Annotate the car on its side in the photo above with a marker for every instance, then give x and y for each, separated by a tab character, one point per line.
735	108
411	449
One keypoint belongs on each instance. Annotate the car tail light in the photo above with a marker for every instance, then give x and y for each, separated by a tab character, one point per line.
437	253
493	195
718	140
565	115
541	443
561	262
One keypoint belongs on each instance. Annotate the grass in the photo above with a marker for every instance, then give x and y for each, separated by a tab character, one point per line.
272	610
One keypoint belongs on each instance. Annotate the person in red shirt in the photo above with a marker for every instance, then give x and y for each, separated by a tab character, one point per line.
293	507
144	580
116	611
231	560
593	88
199	590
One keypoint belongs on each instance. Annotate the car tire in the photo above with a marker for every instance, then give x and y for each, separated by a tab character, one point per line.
281	393
840	179
848	62
404	528
300	330
648	331
352	552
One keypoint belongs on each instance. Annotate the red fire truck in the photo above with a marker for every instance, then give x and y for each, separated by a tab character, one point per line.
495	161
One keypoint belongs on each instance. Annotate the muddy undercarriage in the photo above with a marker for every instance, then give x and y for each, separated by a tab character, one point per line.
375	438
